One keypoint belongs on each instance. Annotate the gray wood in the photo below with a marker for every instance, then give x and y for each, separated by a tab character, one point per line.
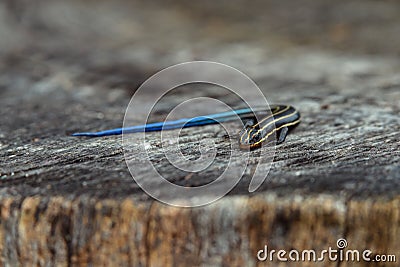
67	67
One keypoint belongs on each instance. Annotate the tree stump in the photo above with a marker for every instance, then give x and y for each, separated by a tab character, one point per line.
68	67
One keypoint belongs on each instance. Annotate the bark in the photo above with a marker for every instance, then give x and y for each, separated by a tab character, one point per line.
67	67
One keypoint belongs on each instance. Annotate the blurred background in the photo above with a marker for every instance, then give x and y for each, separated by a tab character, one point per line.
73	52
116	44
72	66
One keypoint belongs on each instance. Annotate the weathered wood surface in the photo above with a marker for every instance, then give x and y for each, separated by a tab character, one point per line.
73	66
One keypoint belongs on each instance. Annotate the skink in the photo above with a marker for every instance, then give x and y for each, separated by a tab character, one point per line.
279	121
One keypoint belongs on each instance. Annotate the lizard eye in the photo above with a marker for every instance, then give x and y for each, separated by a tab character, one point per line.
256	137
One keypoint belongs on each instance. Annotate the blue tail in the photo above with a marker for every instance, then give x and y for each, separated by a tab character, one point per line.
169	125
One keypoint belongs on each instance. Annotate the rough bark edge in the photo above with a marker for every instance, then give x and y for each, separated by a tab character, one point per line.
58	231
